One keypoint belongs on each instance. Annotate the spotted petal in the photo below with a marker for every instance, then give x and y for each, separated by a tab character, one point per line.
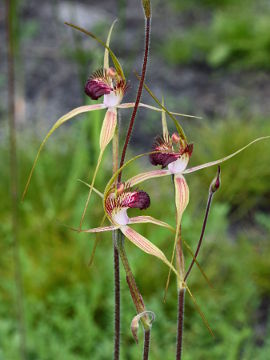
149	219
62	120
145	245
216	162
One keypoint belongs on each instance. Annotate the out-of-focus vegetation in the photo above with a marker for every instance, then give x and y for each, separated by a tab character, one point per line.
233	33
69	307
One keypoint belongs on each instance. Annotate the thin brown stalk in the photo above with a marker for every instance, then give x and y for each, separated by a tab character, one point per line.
146	346
135	293
116	305
180	323
139	92
117	314
14	177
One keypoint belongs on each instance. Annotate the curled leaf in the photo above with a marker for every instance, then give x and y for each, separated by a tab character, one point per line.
134	326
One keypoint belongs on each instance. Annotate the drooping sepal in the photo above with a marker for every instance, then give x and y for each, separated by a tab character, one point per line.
108	128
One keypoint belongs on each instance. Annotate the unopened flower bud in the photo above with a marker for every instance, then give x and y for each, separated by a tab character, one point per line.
111	72
175	138
120	188
216	182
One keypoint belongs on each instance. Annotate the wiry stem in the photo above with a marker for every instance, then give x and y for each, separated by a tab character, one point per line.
135	293
117	316
146	346
139	93
180	322
14	177
210	198
116	304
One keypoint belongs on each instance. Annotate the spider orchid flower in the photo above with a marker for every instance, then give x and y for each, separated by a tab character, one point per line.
116	204
173	153
110	83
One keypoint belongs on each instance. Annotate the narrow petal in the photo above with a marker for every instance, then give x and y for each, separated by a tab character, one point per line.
108	128
91	187
164	123
145	245
200	311
94	189
114	177
62	120
115	61
147	175
100	229
216	162
149	219
106	52
91	260
131	105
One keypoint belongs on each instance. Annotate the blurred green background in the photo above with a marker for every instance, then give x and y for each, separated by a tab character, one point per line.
208	58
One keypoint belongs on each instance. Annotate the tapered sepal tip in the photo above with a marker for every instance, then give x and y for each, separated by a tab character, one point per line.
215	184
147	7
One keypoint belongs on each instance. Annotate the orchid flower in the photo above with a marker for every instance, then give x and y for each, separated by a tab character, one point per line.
116	204
173	152
110	83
